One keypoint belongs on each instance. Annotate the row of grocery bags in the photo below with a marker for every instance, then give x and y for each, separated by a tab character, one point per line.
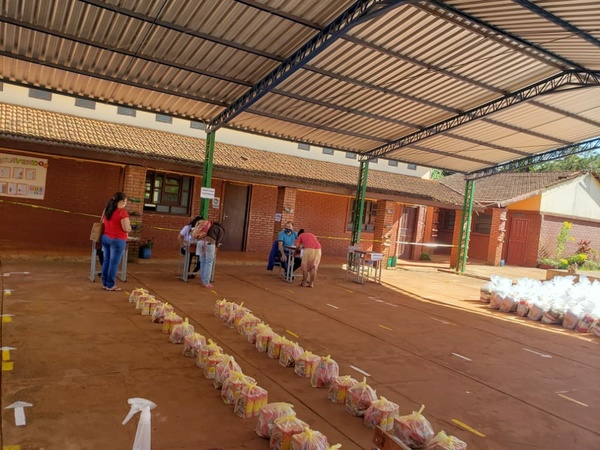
575	306
278	421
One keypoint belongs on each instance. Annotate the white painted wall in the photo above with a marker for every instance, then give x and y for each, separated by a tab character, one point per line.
17	95
579	198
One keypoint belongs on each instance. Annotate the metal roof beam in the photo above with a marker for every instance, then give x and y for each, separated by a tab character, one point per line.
359	12
573	149
558	21
489	31
548	85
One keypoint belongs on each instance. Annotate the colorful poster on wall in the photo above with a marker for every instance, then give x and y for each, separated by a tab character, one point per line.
22	176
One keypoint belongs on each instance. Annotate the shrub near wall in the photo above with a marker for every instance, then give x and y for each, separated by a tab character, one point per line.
580	229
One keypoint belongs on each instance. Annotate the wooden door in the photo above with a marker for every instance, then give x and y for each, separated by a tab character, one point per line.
235	216
517	240
406	232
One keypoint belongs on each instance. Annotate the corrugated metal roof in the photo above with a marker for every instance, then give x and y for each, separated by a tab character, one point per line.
414	66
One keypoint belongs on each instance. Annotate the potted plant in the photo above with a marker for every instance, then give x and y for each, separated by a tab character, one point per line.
146	248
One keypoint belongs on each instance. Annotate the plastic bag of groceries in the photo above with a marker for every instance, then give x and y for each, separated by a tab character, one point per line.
219	304
309	440
180	331
540	303
192	344
501	288
269	413
509	302
248	323
136	293
253	332
338	388
274	346
250	400
327	369
524	290
359	398
224	369
210	368
230	312
414	430
283	429
264	334
442	441
381	414
148	305
160	311
140	299
233	385
290	351
171	319
208	350
239	313
306	364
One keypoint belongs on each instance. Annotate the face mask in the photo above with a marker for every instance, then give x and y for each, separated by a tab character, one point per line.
288	230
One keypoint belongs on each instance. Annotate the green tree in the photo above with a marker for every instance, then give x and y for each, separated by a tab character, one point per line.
583	161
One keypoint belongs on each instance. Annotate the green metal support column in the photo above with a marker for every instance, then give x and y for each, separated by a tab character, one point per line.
465	227
359	204
207	174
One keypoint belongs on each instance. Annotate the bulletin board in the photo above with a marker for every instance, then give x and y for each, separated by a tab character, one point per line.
22	176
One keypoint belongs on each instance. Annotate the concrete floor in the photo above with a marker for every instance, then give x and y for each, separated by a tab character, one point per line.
422	336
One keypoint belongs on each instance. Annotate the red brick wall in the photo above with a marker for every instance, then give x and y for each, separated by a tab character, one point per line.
551	226
76	193
260	225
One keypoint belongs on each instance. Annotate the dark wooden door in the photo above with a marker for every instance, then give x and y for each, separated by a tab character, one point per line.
407	232
235	214
517	238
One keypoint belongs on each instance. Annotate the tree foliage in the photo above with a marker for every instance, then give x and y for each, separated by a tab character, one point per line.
583	161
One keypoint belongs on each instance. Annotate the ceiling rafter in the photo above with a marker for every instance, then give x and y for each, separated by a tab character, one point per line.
353	16
543	87
519	164
558	21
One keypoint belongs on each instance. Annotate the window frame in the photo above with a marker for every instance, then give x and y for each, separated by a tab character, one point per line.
369	216
160	190
482	223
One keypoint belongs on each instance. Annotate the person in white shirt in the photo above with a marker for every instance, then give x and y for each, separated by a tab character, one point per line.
185	238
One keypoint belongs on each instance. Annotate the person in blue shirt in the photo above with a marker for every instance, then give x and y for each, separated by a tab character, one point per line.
287	237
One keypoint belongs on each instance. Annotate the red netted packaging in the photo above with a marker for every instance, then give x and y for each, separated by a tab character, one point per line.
283	430
442	441
327	369
359	398
306	364
338	388
269	413
413	430
250	400
381	414
310	440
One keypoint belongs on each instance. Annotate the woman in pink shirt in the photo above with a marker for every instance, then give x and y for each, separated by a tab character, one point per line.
114	239
311	257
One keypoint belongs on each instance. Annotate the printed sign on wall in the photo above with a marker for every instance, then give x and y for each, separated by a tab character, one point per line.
22	176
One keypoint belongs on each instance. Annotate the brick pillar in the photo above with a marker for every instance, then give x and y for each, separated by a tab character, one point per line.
134	186
286	206
386	229
497	235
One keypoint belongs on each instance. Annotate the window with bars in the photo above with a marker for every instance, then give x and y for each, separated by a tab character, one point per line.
482	223
368	218
167	193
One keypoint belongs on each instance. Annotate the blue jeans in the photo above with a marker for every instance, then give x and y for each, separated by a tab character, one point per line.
113	251
206	254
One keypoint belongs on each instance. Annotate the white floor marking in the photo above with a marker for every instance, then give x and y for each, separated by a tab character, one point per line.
443	321
360	371
332	306
543	355
572	400
461	356
391	304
